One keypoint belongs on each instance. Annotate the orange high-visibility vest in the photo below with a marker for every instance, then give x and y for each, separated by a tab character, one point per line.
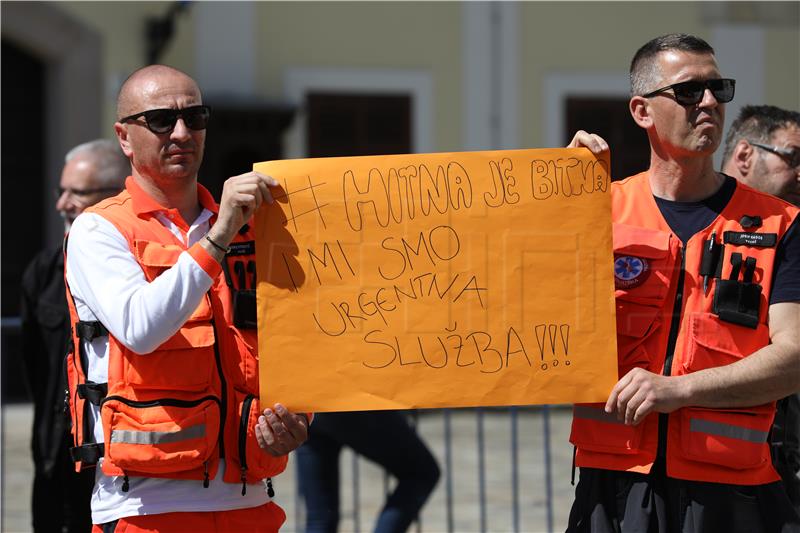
654	275
176	411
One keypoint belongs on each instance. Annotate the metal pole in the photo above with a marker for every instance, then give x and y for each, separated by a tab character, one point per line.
514	470
448	461
299	498
414	424
356	495
481	471
548	467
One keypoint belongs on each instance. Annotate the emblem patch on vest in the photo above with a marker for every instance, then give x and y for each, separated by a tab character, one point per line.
630	272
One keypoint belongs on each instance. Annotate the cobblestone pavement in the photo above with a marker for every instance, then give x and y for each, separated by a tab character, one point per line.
17	474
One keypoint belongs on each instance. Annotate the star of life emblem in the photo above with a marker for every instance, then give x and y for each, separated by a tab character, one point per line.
630	272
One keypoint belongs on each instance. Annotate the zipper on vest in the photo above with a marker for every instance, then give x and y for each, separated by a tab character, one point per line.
677	311
80	433
246	406
223	386
169	402
672	339
65	407
65	377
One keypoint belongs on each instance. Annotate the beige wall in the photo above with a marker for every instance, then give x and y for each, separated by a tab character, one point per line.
395	35
313	34
782	63
598	37
584	37
593	37
121	25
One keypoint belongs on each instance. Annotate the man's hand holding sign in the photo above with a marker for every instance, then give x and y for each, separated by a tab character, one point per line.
436	280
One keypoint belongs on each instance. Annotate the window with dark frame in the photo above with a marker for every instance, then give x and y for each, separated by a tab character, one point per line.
341	124
611	119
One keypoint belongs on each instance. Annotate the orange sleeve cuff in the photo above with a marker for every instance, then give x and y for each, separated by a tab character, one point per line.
204	259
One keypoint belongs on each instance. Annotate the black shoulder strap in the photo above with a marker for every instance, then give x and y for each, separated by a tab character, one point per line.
89	330
88	454
93	392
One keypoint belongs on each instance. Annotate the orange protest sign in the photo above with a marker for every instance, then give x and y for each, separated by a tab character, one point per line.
436	280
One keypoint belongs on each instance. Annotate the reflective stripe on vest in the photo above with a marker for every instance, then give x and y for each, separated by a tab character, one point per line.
719	429
596	413
125	436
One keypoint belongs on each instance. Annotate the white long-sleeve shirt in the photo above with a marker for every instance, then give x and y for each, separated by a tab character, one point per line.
108	285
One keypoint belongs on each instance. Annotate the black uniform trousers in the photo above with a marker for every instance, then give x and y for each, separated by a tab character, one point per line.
608	501
785	440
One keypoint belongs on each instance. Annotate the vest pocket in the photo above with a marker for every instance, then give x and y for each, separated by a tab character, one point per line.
254	463
160	436
644	263
243	371
155	258
635	324
712	343
184	362
732	438
595	430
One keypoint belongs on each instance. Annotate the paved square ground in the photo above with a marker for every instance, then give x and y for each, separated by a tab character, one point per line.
17	474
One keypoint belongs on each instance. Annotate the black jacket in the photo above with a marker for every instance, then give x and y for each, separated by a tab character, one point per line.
45	334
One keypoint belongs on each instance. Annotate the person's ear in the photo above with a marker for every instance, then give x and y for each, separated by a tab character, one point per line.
744	157
640	111
122	136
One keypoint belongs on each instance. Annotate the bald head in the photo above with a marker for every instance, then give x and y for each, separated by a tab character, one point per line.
148	81
165	157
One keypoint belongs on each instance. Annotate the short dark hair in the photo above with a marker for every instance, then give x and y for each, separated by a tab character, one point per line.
644	69
757	123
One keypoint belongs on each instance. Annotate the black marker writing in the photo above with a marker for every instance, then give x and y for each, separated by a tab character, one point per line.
440	243
393	196
567	177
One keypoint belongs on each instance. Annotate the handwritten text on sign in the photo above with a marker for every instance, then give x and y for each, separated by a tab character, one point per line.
436	280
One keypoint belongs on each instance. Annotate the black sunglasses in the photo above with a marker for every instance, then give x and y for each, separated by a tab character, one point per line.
792	157
163	120
691	92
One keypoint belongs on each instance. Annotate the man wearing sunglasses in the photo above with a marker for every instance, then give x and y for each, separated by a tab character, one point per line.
92	171
164	370
708	328
762	149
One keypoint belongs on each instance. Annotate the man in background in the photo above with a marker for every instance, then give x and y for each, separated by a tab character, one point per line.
93	171
762	149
